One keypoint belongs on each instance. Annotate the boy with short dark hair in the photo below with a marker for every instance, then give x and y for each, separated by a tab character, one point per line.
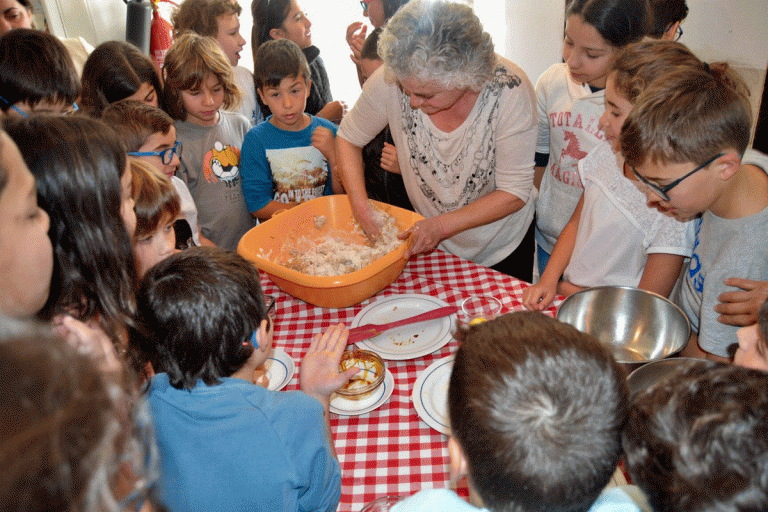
36	74
150	135
697	441
536	411
290	158
685	140
226	443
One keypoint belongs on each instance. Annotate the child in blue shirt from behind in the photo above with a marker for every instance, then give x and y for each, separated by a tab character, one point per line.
536	411
288	159
226	443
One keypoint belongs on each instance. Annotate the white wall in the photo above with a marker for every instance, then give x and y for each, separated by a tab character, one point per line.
731	30
529	32
94	20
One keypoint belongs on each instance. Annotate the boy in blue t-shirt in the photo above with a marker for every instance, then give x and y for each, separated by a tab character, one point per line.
225	442
288	159
536	411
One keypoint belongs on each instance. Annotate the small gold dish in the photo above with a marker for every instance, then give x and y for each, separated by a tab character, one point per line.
367	380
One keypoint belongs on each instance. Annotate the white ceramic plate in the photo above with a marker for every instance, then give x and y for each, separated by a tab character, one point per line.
280	369
430	394
409	341
346	407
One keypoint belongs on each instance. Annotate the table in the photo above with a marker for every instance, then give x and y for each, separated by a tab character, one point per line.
390	451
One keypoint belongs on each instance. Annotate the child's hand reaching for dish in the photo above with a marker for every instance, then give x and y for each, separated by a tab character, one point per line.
320	376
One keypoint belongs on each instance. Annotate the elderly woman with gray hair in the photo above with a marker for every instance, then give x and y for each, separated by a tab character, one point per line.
464	122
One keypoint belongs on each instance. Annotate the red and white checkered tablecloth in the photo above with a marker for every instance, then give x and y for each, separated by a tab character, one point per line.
390	451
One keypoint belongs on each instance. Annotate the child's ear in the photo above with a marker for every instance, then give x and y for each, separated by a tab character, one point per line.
277	33
261	95
309	86
458	461
264	336
728	165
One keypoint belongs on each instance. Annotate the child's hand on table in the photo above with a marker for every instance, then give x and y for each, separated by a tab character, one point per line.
320	376
538	296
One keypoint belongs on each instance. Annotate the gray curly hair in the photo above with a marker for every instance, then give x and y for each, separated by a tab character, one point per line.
438	41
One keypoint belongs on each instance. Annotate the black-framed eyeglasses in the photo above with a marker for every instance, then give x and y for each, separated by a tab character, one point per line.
166	155
678	33
364	5
662	191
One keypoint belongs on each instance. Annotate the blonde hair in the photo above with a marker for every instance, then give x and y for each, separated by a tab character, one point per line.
156	199
201	16
189	61
688	115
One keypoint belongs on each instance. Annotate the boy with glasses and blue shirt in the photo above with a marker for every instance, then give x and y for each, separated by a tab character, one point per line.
150	135
686	142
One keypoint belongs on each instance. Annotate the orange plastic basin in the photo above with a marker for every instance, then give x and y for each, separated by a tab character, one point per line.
266	242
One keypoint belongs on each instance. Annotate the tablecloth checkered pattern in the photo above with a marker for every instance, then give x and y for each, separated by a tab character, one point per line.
390	451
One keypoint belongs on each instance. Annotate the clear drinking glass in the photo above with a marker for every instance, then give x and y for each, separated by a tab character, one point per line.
480	308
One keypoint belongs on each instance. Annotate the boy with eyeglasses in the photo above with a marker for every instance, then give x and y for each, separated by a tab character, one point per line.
685	140
150	135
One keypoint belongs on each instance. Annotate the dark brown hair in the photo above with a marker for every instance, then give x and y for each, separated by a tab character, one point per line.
200	16
78	163
370	48
278	59
664	13
688	115
197	311
619	22
698	440
134	121
67	427
114	71
35	66
538	408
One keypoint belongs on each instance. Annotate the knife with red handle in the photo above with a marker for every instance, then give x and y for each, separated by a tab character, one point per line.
366	331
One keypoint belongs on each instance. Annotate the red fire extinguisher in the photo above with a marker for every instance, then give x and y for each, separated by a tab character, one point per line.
161	34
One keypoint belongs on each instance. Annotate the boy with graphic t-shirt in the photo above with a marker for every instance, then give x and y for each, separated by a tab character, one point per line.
288	159
215	185
198	88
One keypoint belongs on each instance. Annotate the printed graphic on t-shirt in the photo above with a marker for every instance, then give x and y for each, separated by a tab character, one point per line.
222	163
580	133
695	275
298	174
